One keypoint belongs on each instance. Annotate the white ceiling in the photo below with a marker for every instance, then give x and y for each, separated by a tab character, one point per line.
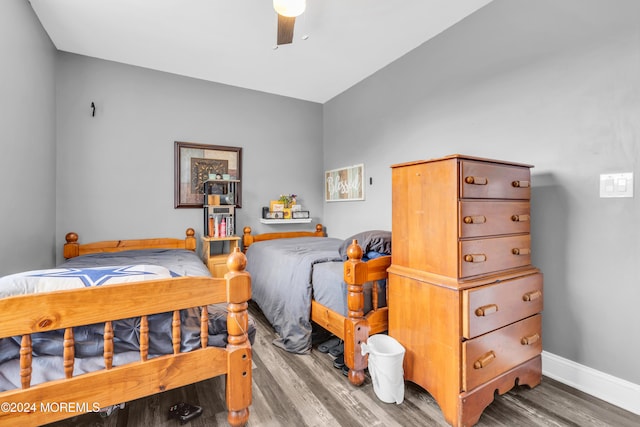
232	41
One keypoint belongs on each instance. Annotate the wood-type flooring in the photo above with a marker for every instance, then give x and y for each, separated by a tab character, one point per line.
306	390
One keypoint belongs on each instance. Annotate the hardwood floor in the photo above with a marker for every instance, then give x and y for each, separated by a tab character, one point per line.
294	390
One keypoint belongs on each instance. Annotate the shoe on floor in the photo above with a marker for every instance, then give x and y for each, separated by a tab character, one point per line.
326	346
339	362
319	334
345	370
337	350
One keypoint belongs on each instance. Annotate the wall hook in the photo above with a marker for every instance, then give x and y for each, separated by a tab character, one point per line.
93	109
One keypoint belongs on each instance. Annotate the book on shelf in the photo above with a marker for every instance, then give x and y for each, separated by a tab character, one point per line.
219	225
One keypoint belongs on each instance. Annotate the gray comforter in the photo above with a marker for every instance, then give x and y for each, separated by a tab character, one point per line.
281	284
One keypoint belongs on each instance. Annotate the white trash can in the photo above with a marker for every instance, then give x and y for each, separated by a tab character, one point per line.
385	366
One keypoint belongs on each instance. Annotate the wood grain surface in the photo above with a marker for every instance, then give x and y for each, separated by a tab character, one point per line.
297	390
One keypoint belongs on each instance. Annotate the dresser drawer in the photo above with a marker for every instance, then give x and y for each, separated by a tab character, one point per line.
481	180
489	355
490	218
483	256
490	307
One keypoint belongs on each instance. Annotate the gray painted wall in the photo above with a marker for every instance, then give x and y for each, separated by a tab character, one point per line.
27	159
115	170
552	83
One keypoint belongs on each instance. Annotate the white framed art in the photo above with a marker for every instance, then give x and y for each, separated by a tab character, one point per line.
344	184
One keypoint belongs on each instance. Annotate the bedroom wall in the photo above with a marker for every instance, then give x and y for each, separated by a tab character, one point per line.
115	170
550	83
27	120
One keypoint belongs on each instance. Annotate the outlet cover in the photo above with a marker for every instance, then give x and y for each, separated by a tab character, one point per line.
616	184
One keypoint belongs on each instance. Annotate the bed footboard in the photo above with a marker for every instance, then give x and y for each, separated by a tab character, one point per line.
355	328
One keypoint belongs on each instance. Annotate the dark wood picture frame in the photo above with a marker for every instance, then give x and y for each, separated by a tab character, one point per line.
192	165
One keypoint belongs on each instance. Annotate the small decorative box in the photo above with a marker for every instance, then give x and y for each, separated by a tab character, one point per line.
299	214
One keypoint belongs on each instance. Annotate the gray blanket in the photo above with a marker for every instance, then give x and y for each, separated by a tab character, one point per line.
281	284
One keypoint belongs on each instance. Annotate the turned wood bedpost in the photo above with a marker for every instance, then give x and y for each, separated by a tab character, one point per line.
190	241
247	238
355	325
238	346
71	248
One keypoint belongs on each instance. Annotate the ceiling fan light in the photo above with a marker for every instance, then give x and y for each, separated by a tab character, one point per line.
289	8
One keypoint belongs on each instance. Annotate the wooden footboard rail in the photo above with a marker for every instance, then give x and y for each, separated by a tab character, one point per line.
54	400
356	327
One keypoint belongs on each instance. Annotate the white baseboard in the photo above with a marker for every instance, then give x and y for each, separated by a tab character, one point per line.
611	389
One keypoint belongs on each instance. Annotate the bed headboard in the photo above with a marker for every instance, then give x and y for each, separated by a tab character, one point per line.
73	249
248	239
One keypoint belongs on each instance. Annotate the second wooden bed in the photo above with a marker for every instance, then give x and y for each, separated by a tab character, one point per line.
355	327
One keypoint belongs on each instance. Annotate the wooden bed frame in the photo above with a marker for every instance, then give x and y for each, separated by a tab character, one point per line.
59	399
356	327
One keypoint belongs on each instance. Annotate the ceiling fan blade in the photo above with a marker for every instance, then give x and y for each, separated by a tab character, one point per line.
285	29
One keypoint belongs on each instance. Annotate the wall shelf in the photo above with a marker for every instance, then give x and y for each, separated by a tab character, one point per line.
286	221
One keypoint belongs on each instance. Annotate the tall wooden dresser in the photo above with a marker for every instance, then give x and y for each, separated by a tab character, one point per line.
464	299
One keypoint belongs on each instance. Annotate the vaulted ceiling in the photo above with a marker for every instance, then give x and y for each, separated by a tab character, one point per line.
336	44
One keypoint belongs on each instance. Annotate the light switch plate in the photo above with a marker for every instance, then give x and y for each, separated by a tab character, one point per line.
616	184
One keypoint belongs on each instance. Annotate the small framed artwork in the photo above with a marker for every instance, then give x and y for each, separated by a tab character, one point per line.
299	214
276	206
195	163
275	215
344	184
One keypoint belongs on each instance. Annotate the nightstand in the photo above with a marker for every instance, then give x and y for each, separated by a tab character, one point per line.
215	251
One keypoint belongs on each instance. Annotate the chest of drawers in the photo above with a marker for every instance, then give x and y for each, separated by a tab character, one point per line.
464	299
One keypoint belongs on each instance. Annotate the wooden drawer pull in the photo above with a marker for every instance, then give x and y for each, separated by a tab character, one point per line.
531	339
478	219
520	218
486	309
476	180
484	360
475	258
520	184
521	251
531	296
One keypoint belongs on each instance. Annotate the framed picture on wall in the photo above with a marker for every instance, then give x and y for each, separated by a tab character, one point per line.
344	184
194	163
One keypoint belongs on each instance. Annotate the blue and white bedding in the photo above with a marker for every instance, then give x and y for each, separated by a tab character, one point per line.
36	281
102	270
287	273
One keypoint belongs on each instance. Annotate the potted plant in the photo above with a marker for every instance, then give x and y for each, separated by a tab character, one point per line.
287	200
